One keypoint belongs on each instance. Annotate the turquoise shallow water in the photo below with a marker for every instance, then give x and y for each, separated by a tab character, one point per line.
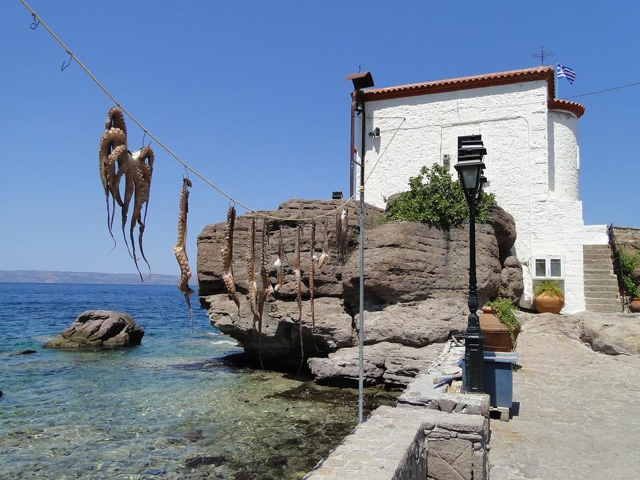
170	408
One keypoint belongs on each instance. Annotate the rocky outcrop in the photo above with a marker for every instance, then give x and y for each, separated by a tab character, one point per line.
99	329
610	333
415	289
504	227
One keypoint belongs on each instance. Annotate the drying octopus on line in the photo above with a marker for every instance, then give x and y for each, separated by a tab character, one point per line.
115	162
279	263
180	248
227	257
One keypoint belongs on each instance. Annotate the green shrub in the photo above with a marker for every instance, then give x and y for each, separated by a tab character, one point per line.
503	308
435	198
628	264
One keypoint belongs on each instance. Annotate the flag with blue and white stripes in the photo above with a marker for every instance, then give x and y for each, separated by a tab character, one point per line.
566	72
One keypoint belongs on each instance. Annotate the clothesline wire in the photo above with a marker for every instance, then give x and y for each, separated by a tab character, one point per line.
38	21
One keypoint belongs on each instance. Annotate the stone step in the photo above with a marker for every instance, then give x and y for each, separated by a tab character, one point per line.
604	308
596	248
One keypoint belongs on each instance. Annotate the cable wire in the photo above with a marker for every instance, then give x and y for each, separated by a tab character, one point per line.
38	21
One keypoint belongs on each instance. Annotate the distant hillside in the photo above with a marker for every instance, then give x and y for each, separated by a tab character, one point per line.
43	276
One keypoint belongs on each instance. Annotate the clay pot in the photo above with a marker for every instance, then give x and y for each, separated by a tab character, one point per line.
545	303
496	333
634	305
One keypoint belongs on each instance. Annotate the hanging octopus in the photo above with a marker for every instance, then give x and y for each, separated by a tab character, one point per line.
279	263
251	275
227	257
312	270
325	249
116	162
342	225
298	275
180	248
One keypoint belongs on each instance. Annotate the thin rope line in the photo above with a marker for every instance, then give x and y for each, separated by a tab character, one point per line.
152	136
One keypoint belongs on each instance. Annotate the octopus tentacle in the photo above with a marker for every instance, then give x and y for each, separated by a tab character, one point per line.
227	257
142	173
112	143
180	248
115	119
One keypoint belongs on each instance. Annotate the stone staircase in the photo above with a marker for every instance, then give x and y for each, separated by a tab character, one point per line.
600	283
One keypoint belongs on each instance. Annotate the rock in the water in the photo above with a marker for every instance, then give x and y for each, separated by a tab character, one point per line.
99	329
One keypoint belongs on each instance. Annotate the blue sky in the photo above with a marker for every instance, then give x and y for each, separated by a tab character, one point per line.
251	94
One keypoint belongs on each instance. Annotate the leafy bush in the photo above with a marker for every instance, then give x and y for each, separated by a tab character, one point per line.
628	264
503	309
435	198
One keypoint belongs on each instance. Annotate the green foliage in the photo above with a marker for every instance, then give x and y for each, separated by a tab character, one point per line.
628	264
435	198
550	287
503	308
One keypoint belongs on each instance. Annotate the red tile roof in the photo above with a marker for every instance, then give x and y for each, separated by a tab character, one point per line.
478	81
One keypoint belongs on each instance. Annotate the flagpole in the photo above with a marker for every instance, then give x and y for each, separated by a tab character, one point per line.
557	81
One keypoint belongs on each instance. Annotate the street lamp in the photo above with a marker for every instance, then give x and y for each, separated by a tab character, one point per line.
470	169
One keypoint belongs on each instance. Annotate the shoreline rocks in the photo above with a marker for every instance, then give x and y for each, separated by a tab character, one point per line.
416	289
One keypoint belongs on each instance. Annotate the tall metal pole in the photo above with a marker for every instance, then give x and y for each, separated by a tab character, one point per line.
361	322
473	345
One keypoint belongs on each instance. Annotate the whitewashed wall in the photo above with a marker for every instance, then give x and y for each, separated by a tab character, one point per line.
532	163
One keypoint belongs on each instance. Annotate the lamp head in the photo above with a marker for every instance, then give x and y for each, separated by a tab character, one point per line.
470	166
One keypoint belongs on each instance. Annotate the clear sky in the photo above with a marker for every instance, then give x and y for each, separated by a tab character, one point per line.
251	94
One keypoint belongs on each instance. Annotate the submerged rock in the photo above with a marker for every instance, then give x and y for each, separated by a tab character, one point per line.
99	329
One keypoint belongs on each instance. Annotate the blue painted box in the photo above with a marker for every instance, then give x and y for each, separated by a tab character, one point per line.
498	377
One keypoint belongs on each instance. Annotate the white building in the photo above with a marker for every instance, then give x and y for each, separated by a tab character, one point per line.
532	160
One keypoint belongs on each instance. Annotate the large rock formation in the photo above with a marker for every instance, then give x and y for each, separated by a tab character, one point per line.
99	329
416	289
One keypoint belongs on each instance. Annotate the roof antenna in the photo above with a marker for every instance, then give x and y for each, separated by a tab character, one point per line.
542	54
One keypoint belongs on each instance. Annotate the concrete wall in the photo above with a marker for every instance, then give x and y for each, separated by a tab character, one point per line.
532	164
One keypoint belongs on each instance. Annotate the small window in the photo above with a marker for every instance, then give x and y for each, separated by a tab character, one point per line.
549	267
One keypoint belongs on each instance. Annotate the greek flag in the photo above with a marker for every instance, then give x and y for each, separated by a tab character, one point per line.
566	72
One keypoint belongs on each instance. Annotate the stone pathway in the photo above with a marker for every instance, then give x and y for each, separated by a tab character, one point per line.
579	413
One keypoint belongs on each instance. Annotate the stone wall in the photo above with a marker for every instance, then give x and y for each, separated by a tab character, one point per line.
430	435
410	443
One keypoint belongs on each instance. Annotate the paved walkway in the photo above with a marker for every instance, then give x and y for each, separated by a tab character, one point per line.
579	413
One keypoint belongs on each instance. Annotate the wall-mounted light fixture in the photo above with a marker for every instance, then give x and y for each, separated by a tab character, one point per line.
375	132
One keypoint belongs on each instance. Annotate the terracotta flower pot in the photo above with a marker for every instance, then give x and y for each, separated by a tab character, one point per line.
634	305
496	333
545	303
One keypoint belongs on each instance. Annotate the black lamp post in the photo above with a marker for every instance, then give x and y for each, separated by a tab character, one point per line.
470	169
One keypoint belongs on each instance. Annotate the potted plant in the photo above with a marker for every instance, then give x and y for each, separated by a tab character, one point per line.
548	297
499	325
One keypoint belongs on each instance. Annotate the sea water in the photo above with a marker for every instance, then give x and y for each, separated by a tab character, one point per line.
169	408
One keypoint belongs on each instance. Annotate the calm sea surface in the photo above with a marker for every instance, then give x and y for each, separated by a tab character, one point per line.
170	408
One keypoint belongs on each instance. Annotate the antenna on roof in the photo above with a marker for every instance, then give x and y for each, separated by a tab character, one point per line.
542	54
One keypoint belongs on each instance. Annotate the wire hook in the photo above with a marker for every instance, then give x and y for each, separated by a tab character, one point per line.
35	23
65	65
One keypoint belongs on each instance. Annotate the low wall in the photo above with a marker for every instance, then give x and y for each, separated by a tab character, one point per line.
430	435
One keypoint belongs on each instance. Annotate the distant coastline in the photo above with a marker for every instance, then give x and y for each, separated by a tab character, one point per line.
45	276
